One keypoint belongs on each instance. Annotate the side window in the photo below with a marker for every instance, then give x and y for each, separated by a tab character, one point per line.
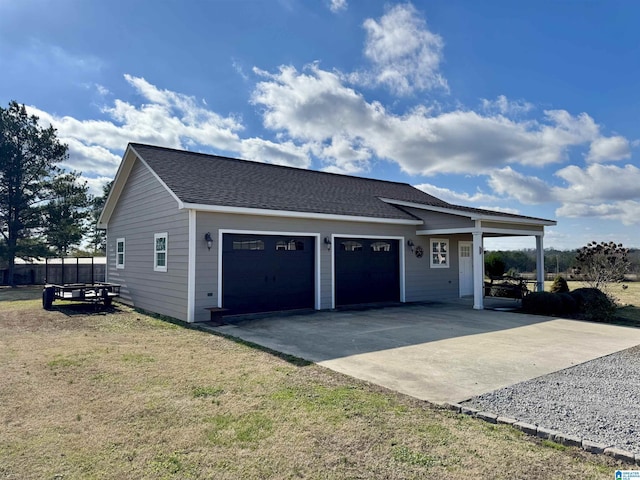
120	253
160	252
439	253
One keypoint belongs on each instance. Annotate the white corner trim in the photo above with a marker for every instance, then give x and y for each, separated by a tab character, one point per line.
191	269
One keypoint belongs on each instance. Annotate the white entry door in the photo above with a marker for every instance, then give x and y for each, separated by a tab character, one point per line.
465	261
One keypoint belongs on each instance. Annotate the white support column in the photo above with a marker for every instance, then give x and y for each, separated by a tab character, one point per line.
478	271
539	263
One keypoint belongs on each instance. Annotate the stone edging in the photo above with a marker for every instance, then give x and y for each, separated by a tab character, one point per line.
548	434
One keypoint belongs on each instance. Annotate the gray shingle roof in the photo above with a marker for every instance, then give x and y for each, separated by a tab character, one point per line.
213	180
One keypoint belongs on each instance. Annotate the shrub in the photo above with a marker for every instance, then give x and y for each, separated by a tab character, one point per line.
542	303
559	285
494	266
594	304
569	304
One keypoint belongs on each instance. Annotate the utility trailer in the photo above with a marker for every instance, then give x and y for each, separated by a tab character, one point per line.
80	292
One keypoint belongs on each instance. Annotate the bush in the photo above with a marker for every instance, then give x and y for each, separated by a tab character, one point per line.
569	304
559	285
594	304
589	303
543	303
494	266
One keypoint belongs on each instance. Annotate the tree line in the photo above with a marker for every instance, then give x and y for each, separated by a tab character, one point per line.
45	209
555	261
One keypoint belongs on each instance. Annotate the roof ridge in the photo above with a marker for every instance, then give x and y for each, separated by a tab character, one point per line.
243	160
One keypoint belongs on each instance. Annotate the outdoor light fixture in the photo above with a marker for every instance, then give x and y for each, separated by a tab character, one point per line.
327	242
410	244
209	240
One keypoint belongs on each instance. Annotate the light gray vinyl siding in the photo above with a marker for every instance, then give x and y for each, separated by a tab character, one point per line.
144	209
422	283
436	220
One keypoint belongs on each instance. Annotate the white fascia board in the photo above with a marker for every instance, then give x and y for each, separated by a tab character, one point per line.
514	233
483	230
292	214
446	231
519	221
471	215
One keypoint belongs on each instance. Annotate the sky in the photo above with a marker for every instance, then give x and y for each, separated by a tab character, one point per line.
527	107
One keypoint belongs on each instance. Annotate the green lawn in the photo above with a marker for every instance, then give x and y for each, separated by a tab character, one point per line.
90	395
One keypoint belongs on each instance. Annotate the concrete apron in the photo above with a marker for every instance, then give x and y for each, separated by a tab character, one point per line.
439	352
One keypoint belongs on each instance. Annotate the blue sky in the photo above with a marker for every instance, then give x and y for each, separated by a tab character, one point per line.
528	107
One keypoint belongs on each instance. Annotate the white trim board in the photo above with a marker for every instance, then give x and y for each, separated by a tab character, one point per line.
488	216
264	212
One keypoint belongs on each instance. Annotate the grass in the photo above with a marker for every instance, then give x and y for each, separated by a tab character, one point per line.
89	395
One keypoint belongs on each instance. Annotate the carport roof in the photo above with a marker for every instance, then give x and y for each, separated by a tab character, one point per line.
200	180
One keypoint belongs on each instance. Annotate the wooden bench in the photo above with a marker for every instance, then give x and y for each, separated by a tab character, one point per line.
216	314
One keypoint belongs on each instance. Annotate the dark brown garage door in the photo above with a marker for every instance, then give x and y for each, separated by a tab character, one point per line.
367	270
265	273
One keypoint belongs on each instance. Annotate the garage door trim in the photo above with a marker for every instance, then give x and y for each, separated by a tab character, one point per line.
316	262
401	257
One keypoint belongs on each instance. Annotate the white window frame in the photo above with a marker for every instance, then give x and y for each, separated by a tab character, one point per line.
119	241
156	267
447	253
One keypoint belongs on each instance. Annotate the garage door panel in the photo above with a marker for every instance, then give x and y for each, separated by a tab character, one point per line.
367	270
262	273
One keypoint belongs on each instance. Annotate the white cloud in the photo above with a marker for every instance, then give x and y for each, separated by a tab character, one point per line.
598	183
239	69
315	106
282	153
166	118
102	90
406	56
609	148
503	106
627	211
604	191
343	156
525	189
337	5
459	198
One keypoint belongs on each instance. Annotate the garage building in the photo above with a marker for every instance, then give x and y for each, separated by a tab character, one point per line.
188	231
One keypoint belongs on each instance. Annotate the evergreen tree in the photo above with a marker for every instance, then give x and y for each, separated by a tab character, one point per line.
28	157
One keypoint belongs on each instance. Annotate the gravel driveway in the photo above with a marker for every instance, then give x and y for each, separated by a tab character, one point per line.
598	400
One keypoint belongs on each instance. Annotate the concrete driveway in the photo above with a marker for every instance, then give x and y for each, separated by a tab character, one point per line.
439	352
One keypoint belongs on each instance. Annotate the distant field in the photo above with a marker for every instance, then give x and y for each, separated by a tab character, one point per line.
87	394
